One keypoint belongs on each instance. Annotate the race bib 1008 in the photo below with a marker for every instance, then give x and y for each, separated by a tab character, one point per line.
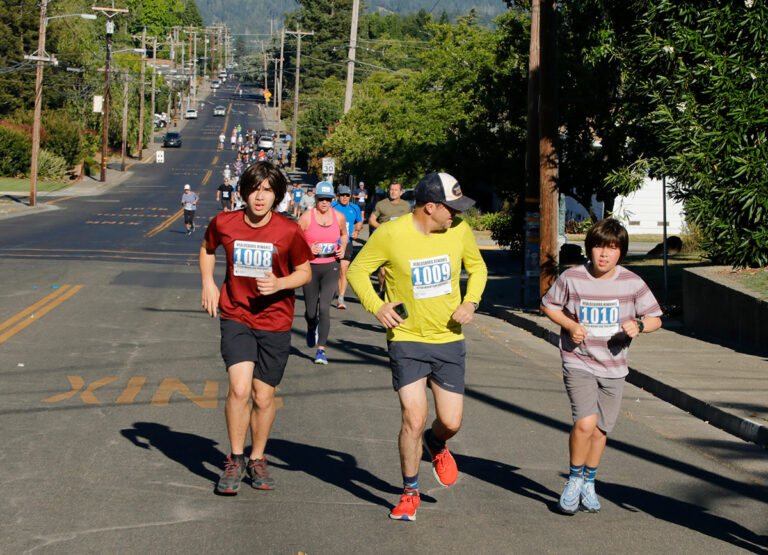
601	318
252	259
431	277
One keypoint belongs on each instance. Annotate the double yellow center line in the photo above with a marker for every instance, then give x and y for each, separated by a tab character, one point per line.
31	314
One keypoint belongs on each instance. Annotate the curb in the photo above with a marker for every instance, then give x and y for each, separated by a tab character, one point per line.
741	427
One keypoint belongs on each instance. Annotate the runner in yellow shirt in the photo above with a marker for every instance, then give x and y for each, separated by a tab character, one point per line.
423	312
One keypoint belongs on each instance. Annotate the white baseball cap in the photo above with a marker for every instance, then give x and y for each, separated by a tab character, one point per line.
187	187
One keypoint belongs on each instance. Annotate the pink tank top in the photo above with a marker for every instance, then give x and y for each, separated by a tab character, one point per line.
327	236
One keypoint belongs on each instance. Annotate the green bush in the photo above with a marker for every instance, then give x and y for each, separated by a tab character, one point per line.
50	166
15	152
63	137
507	232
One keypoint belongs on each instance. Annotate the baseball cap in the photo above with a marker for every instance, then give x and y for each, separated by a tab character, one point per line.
187	187
343	190
361	184
443	188
324	190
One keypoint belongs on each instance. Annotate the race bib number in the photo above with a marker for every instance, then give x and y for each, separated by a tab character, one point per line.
189	206
431	277
252	259
326	248
601	318
225	194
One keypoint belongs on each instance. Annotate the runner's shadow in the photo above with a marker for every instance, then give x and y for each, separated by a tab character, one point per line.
333	467
363	325
507	477
687	515
189	450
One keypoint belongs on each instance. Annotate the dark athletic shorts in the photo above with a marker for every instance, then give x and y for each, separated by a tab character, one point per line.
348	251
442	363
189	216
269	350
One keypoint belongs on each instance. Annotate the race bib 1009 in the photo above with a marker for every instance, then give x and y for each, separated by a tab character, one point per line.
601	318
431	277
252	259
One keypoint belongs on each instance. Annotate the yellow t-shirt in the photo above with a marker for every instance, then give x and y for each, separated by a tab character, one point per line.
422	272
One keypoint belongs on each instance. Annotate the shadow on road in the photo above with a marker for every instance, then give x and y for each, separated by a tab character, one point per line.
332	467
189	450
688	515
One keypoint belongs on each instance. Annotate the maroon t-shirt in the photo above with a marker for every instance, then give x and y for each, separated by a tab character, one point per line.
278	247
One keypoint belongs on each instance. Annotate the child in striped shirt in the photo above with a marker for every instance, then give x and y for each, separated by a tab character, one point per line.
600	307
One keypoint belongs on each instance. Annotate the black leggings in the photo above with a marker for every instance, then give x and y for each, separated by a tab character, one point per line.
318	293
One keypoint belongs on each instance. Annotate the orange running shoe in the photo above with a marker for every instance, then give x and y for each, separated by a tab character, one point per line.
409	502
443	464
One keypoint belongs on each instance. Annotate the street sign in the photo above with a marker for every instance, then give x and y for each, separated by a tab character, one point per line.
160	157
329	166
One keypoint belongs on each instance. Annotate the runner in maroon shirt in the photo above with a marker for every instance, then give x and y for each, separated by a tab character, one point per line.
267	258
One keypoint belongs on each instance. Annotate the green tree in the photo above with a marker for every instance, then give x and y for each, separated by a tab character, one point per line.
705	83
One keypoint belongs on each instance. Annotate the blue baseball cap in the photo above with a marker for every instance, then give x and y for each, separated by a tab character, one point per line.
344	190
324	190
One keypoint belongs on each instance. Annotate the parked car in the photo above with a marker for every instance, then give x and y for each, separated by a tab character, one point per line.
191	114
160	120
219	111
172	138
215	84
409	196
266	142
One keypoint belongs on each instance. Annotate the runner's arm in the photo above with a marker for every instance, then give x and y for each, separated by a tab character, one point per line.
475	267
301	275
210	296
373	255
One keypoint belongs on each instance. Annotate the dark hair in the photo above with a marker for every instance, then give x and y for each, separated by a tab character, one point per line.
607	232
256	174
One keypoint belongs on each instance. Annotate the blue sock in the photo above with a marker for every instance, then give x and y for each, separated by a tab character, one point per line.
411	482
576	471
589	473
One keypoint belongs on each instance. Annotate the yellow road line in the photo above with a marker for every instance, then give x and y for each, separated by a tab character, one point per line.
96	250
215	159
207	177
190	256
38	304
489	247
58	200
166	224
43	311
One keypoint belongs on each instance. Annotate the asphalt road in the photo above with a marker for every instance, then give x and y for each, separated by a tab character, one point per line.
113	431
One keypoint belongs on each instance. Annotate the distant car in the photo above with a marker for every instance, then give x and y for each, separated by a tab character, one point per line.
266	142
215	84
191	114
219	111
172	138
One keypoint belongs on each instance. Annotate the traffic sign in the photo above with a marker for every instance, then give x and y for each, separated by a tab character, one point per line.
160	157
329	166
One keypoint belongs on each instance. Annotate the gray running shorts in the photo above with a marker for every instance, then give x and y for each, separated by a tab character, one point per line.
269	350
442	363
590	394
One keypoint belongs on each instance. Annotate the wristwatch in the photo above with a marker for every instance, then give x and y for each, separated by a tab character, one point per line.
640	325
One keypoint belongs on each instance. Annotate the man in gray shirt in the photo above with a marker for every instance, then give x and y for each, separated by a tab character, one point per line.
189	202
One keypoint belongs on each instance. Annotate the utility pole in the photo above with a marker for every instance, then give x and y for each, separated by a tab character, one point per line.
41	57
279	87
548	162
351	57
532	219
125	121
295	138
109	13
141	94
264	55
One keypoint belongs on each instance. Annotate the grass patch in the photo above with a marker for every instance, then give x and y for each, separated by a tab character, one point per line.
754	279
13	185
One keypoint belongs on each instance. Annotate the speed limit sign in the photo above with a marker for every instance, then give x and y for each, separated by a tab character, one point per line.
329	166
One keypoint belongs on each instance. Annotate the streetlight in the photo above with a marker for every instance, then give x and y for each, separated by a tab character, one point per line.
40	56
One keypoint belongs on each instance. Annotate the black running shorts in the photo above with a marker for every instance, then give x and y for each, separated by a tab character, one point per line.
269	350
442	363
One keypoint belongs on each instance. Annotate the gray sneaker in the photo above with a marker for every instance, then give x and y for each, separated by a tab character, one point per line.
589	500
234	472
569	500
260	478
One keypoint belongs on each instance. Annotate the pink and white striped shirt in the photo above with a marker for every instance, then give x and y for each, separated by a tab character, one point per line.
601	306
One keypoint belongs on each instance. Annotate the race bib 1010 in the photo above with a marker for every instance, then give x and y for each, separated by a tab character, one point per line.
601	318
252	259
431	277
